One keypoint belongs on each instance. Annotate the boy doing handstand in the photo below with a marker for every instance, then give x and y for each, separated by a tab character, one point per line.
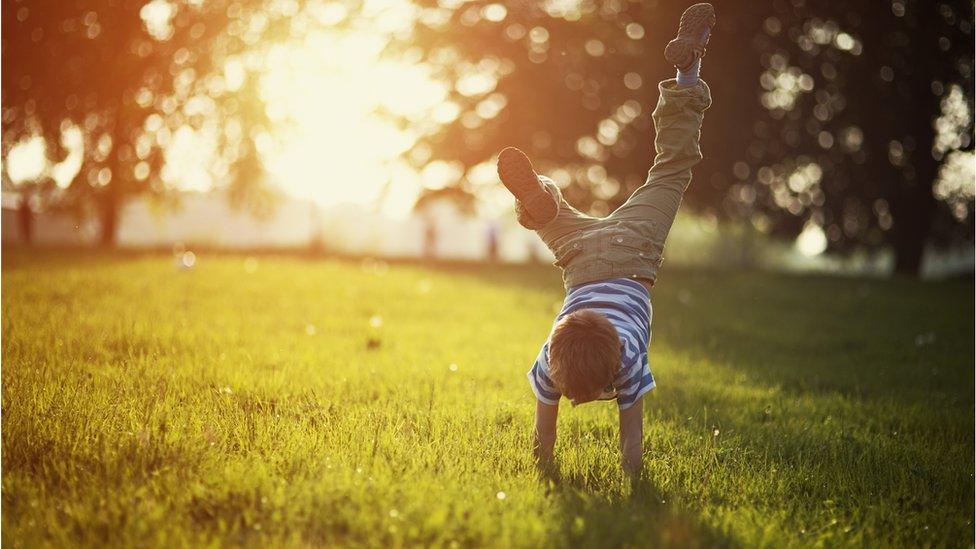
597	349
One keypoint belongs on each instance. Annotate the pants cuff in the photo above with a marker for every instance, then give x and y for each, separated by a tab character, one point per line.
699	96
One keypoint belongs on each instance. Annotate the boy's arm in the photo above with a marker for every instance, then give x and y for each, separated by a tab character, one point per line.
632	437
545	431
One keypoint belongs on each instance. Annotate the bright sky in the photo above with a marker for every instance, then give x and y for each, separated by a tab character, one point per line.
323	91
331	146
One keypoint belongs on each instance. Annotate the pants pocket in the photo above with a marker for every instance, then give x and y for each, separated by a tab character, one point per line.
628	250
567	252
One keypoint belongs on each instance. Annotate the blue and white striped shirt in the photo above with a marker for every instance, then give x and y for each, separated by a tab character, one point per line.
627	305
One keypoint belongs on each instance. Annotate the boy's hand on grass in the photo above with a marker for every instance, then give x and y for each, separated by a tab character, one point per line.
632	438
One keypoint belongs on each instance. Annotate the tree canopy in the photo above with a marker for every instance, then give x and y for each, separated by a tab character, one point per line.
836	114
127	76
854	118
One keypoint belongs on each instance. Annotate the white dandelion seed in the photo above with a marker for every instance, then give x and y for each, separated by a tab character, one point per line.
187	260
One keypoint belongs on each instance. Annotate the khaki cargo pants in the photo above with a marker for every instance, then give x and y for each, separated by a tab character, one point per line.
629	242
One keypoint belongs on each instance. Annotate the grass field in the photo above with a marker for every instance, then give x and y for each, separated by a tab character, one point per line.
299	402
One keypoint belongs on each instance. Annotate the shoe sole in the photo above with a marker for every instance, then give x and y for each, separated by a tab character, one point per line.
689	44
516	172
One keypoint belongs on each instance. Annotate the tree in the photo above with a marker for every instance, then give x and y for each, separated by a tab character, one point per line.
797	133
30	186
857	89
127	75
574	88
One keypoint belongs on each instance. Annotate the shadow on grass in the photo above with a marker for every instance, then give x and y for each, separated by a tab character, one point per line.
640	517
843	389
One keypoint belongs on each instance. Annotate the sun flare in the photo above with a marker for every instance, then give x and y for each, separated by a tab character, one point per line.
331	97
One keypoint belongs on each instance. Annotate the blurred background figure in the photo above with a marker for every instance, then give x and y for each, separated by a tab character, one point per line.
843	140
492	236
430	238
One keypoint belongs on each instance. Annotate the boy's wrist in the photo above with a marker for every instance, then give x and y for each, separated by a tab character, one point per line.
632	464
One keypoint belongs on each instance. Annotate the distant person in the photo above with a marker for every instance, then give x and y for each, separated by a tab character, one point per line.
492	234
598	346
430	237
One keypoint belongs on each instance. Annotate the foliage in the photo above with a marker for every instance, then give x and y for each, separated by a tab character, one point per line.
823	111
871	89
277	401
842	115
129	77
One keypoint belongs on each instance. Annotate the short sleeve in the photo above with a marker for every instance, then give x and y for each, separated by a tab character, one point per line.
634	382
542	386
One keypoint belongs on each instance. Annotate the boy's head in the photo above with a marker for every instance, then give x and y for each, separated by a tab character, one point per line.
584	355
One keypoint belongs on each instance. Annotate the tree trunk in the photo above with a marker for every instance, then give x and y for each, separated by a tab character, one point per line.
909	240
111	197
25	219
915	207
109	215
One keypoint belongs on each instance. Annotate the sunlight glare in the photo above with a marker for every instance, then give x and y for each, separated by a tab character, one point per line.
27	160
812	241
327	96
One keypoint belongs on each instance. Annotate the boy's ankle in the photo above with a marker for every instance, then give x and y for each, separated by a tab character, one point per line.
689	76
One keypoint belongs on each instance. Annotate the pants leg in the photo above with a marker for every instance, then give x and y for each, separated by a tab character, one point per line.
677	123
568	220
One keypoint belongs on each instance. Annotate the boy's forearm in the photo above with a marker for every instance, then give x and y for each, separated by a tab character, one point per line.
632	438
545	431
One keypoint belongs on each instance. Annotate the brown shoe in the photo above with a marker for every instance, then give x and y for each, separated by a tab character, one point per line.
693	31
516	173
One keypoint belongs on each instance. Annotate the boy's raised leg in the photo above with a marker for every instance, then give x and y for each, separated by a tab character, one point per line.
677	123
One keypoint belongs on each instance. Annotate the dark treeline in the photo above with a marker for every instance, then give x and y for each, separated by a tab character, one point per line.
823	111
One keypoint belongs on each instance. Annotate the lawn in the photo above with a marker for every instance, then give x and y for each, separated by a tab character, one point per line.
289	401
